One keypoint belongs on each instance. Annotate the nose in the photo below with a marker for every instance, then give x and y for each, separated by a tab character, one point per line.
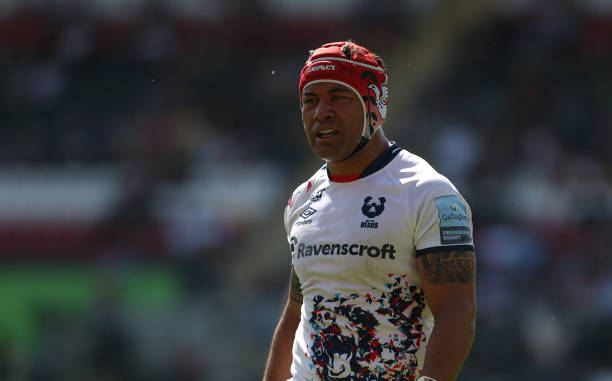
323	110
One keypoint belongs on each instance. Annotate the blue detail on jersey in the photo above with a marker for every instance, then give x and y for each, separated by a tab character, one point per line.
454	221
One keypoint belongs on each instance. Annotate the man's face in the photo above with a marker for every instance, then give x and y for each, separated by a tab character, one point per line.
333	119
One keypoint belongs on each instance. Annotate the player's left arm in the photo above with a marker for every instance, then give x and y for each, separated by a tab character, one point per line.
448	279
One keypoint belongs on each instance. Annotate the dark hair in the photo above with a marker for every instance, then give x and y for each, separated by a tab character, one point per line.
350	48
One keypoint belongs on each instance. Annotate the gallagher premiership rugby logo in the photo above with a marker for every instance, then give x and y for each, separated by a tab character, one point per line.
454	221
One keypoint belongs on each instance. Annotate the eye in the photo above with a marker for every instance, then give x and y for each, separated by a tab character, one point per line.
309	101
338	97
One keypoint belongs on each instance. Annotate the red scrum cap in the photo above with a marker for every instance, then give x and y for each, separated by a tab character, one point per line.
360	72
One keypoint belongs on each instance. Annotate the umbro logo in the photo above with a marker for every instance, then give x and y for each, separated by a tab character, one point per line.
307	213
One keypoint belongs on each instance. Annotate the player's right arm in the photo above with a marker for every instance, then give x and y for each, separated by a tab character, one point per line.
280	357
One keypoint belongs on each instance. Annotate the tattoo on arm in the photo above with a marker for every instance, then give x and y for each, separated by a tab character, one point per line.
295	289
449	267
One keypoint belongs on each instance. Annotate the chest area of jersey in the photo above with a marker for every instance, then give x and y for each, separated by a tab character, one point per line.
349	222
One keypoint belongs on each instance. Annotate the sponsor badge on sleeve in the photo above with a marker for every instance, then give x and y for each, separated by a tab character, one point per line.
454	221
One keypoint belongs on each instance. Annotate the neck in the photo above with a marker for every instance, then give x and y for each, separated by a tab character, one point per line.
359	161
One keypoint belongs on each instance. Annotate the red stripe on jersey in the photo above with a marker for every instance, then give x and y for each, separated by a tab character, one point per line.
343	178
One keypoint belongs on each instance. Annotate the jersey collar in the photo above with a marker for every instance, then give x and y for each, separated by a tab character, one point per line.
380	162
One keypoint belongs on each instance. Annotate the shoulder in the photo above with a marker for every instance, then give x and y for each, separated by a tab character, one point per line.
418	177
302	191
300	195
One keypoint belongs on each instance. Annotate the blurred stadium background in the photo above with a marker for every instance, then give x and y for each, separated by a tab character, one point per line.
147	150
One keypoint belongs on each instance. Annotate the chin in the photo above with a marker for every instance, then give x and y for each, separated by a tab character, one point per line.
324	154
332	159
327	155
325	158
332	155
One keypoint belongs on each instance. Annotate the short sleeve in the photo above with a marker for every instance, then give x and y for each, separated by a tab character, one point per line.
444	222
286	216
293	199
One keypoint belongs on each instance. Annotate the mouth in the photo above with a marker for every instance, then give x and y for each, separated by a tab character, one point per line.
326	133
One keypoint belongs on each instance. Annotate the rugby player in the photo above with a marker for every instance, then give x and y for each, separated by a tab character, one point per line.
382	283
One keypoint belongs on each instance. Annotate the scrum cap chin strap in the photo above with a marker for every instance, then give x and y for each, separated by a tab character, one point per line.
362	142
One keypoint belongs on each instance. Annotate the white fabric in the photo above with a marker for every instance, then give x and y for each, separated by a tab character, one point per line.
364	314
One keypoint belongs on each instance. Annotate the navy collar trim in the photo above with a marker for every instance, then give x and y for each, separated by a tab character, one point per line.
380	162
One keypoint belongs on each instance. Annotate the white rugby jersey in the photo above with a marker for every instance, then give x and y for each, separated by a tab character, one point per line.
354	247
